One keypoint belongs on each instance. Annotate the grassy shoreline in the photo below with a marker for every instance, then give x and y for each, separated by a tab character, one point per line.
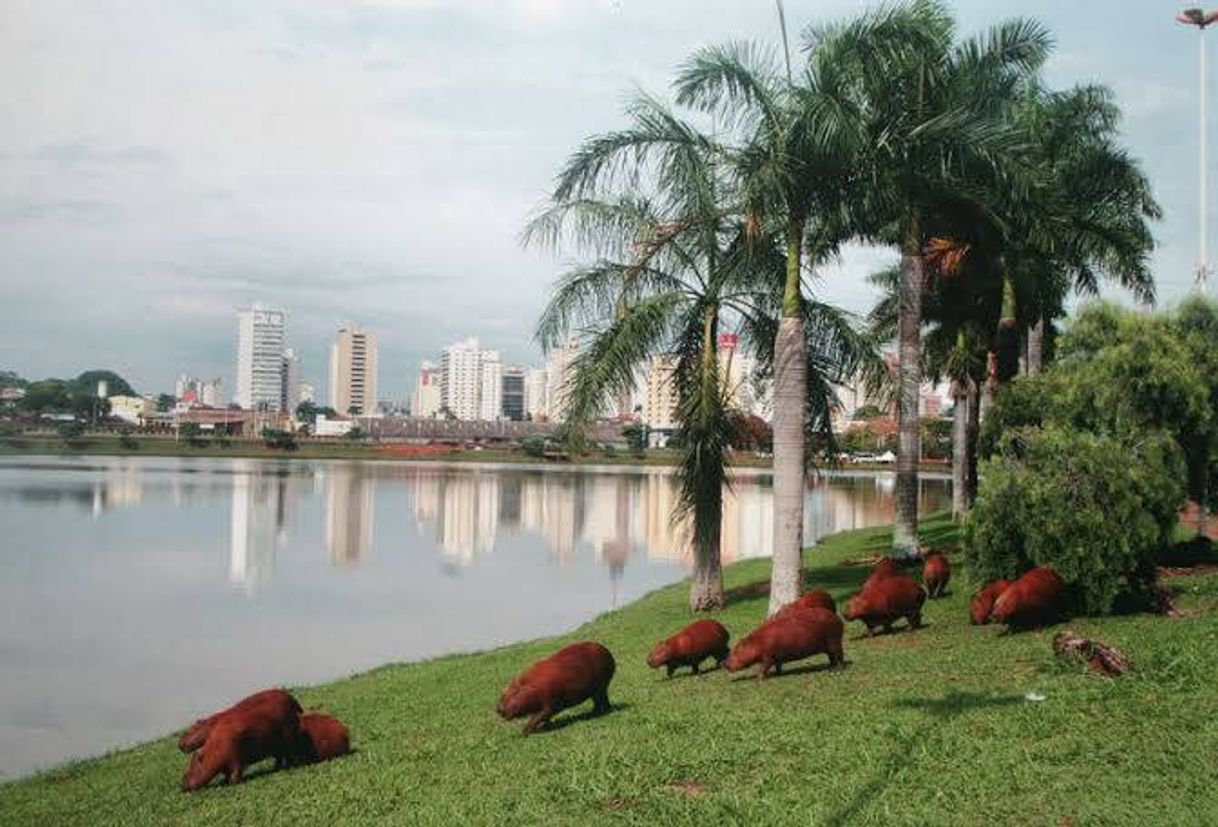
372	452
929	727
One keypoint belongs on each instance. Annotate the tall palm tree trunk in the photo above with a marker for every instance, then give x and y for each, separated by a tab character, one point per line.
960	460
1007	340
905	532
706	590
790	393
974	430
1036	346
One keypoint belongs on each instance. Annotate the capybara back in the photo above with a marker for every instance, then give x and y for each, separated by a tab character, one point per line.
1032	600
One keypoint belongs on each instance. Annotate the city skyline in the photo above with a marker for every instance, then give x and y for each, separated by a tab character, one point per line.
357	194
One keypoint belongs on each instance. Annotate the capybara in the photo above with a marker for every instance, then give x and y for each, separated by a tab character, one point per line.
695	643
276	702
886	567
886	600
983	601
322	737
569	677
792	636
237	739
815	599
1032	600
936	572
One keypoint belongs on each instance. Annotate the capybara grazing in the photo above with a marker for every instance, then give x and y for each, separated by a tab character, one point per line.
275	702
886	600
322	737
936	572
983	601
886	567
1032	600
569	677
695	643
793	636
815	599
237	739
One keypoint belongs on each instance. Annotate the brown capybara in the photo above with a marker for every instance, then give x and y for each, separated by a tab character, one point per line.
936	572
983	601
1032	600
276	702
238	739
886	567
815	599
887	600
793	636
322	737
695	643
569	677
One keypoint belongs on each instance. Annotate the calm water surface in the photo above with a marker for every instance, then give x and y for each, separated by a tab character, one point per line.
136	594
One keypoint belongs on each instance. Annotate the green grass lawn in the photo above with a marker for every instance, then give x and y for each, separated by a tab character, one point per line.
928	727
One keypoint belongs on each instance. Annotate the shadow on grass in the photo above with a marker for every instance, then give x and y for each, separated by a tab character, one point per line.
837	580
750	673
941	710
556	724
689	673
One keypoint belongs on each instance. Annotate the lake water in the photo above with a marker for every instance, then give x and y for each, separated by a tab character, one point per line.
137	594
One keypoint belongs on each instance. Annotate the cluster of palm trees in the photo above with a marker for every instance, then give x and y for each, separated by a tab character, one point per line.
1001	197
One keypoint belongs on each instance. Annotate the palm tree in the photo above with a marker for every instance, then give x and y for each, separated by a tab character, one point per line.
938	118
797	156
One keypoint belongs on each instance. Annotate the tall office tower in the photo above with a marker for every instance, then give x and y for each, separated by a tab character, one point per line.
535	393
289	378
425	402
513	394
260	337
558	377
660	412
461	379
353	371
490	394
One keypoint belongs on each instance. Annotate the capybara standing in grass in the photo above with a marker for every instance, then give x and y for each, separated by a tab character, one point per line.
569	677
936	572
1032	600
240	738
695	643
887	600
274	702
322	737
793	636
814	599
983	601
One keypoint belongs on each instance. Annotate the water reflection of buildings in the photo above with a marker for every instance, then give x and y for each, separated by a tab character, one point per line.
258	523
350	513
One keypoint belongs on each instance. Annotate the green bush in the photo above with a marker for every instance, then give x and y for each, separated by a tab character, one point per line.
1098	509
127	442
534	446
279	439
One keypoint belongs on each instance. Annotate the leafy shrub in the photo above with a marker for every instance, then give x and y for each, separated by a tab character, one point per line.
534	446
279	439
70	432
1096	508
356	435
127	442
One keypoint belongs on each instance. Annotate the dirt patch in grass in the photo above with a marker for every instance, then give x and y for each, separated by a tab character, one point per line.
685	787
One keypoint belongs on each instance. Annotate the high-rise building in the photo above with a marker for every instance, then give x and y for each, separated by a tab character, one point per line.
260	338
209	393
660	412
490	394
513	394
289	377
535	382
461	379
353	371
425	402
558	379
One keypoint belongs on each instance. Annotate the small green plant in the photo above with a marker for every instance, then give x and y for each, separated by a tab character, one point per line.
278	439
127	442
70	432
356	435
534	446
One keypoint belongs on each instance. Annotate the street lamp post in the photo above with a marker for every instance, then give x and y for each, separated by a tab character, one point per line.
1201	19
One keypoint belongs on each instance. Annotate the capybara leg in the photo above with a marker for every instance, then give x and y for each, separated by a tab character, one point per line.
888	628
600	702
762	668
915	620
778	668
836	658
670	670
538	721
234	774
695	668
720	657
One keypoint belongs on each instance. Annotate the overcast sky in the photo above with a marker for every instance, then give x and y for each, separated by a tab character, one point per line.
162	164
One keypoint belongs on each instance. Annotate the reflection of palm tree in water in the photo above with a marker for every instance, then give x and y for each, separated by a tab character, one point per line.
616	551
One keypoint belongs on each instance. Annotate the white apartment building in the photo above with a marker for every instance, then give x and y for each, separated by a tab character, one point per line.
558	378
535	382
660	410
425	402
490	395
461	379
260	338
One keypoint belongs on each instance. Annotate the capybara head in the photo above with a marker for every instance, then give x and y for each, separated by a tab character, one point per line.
518	699
194	737
660	653
856	606
983	602
742	656
202	768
